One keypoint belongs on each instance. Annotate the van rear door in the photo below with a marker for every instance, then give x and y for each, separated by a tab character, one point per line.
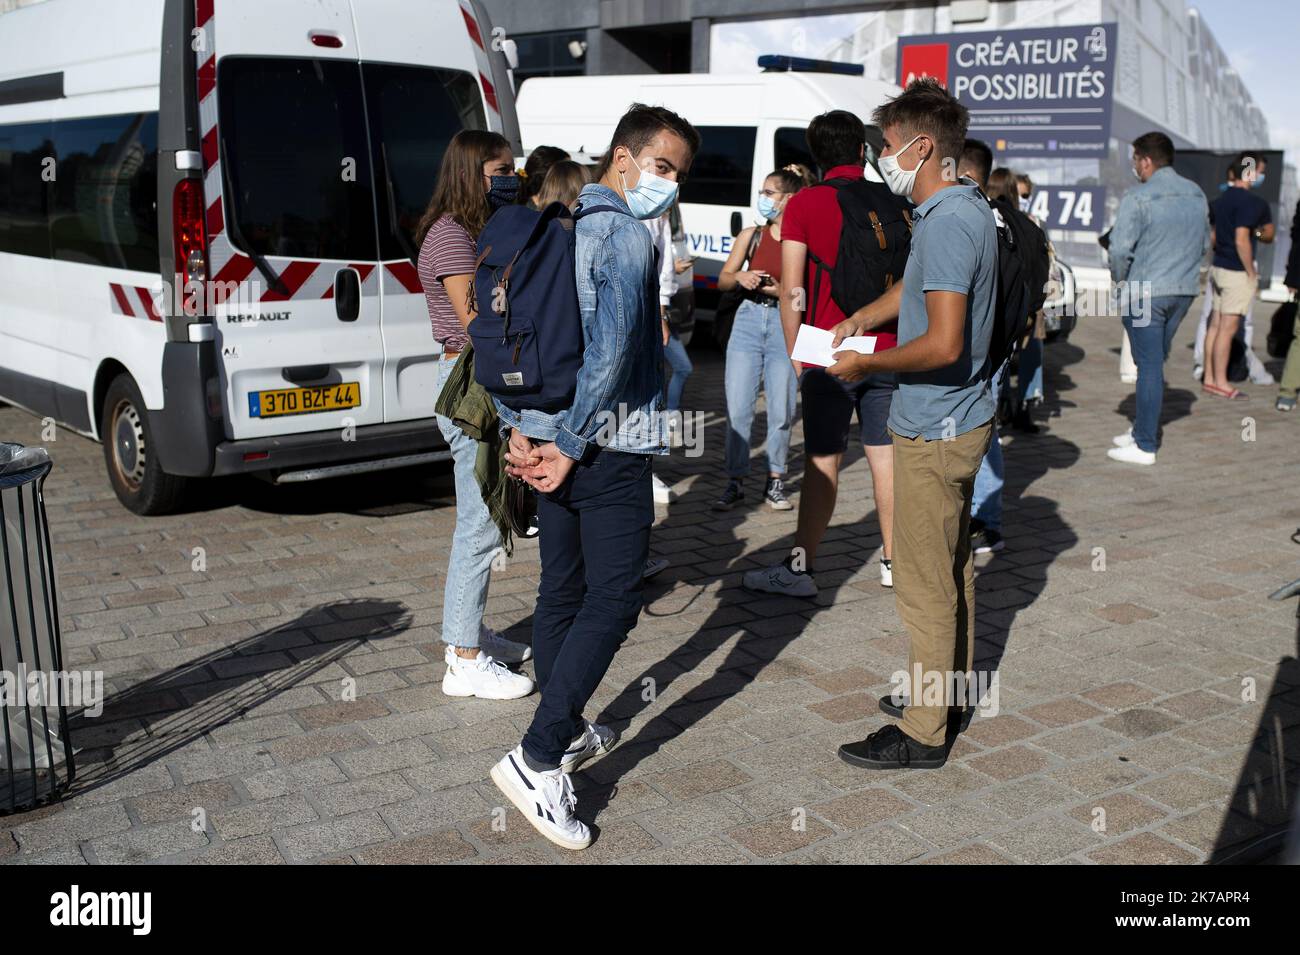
290	190
427	75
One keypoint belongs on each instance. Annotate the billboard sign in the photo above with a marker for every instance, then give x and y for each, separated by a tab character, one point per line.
1039	92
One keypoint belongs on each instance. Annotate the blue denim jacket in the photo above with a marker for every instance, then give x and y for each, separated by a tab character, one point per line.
619	399
1161	234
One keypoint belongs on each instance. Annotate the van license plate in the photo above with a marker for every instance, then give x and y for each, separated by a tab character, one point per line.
287	401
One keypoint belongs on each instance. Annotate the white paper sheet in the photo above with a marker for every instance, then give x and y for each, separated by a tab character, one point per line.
813	346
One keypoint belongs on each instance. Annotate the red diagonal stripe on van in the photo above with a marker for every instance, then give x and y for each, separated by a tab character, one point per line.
202	12
363	271
234	271
123	302
292	279
216	219
472	26
405	273
489	93
150	306
207	77
209	145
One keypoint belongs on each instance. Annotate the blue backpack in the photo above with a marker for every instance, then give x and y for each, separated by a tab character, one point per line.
527	335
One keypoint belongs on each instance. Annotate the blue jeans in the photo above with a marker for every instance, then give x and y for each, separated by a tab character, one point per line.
756	358
680	363
1030	370
595	538
1150	342
474	543
986	501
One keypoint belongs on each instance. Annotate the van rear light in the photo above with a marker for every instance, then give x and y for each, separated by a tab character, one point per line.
212	394
188	234
330	41
256	456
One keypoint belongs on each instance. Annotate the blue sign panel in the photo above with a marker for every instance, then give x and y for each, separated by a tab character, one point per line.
1044	92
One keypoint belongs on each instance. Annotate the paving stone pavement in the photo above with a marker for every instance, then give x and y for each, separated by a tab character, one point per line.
272	661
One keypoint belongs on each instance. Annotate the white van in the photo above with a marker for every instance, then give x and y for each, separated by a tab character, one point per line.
207	211
750	123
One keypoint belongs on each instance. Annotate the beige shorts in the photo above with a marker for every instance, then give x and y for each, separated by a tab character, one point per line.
1233	291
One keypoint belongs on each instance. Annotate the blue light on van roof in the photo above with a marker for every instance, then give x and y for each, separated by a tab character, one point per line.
780	63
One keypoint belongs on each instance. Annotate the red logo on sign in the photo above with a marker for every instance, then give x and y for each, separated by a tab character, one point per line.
924	59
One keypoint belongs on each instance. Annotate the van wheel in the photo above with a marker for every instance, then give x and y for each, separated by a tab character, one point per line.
133	469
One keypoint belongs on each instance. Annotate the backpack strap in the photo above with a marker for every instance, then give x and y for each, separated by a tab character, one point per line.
586	211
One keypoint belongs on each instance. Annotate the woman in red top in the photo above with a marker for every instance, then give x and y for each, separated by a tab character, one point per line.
477	176
756	353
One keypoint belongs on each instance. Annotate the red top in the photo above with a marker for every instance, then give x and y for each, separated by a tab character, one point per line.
812	216
767	257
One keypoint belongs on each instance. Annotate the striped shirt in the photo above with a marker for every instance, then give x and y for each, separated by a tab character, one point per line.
447	250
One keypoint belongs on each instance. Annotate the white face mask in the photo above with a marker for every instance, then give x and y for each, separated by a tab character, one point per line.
900	181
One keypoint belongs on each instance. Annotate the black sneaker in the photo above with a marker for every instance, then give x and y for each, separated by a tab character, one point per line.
733	495
958	717
774	494
891	748
985	540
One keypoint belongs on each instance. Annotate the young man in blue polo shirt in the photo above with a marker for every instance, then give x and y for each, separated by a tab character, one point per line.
940	420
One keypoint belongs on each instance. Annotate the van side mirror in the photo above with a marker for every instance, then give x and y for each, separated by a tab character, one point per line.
736	224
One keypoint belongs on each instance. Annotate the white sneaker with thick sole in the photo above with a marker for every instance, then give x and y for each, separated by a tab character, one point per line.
886	572
546	799
1131	455
482	677
594	740
1124	440
501	648
663	493
779	579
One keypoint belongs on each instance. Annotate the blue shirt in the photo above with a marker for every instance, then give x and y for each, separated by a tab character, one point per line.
954	249
1235	208
1161	235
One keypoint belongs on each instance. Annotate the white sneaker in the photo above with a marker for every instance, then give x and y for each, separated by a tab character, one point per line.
654	565
483	677
595	740
502	648
1128	379
1124	440
1198	371
546	799
663	493
886	572
1132	454
779	579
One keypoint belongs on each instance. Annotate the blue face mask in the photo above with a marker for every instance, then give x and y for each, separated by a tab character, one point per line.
651	196
504	191
766	208
1259	181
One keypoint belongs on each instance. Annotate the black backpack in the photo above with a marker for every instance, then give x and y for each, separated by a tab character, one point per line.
1023	268
875	238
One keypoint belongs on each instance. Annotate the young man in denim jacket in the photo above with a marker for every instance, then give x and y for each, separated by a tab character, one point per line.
1161	235
590	465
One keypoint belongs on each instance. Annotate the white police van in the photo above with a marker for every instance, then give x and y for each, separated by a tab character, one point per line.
750	124
207	211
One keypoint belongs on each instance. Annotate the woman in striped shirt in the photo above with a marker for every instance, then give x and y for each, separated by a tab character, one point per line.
477	176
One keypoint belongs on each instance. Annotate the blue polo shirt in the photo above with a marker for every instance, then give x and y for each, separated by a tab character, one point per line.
954	249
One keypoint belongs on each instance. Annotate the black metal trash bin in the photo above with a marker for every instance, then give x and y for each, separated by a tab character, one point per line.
36	760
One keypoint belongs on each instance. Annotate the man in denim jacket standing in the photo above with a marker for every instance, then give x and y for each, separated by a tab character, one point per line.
1161	235
590	465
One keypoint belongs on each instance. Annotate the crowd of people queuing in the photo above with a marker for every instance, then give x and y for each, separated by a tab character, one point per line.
926	396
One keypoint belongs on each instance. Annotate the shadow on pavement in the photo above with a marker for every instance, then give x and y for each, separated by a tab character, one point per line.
165	713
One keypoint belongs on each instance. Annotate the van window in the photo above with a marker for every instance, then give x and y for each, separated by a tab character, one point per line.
414	111
296	156
24	191
104	199
790	145
723	169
